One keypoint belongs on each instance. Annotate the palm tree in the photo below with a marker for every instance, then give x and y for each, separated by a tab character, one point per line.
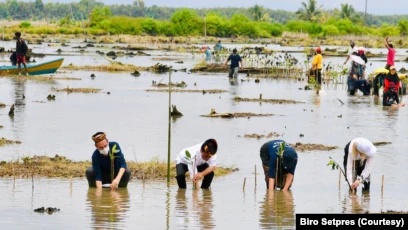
258	13
347	11
310	11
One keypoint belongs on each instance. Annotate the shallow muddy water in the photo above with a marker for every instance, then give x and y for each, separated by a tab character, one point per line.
138	120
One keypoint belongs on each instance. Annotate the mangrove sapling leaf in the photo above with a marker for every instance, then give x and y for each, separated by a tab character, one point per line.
112	158
190	162
334	165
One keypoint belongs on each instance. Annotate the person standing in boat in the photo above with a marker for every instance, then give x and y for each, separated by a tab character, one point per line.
21	52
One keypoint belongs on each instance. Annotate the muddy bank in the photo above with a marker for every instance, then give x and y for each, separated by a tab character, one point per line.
60	166
77	90
258	136
270	71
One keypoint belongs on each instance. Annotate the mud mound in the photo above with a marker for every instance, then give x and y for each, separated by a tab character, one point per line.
311	147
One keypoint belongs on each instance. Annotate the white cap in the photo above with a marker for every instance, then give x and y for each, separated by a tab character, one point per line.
365	146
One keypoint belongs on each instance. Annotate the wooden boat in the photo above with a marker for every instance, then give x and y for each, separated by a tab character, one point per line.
33	69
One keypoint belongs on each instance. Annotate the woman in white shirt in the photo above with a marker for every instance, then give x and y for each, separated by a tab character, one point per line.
358	160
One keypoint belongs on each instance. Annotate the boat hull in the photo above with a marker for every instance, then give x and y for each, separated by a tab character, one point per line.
33	69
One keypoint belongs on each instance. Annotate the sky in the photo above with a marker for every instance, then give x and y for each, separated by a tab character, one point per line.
377	7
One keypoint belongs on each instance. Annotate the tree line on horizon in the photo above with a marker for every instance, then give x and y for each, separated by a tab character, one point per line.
255	21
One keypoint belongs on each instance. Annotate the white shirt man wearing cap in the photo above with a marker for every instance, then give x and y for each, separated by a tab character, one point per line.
358	160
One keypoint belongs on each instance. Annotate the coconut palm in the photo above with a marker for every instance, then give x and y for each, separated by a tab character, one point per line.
310	11
348	12
258	13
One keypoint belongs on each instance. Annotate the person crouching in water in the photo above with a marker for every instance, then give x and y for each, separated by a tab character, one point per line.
358	162
391	88
200	162
279	170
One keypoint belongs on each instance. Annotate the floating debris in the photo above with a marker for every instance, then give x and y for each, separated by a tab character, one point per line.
48	210
11	111
213	113
309	147
203	91
277	101
2	105
181	84
258	136
51	97
175	112
4	141
78	90
379	143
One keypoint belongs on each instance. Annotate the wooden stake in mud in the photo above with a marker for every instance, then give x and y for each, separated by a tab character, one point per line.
382	185
255	176
339	179
243	186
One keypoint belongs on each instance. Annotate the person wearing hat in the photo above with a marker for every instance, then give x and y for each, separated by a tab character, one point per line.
234	65
350	51
358	160
100	172
390	55
200	162
317	65
391	86
279	170
21	52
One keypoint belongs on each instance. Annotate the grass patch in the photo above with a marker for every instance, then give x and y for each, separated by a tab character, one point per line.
78	90
4	141
38	78
258	136
60	166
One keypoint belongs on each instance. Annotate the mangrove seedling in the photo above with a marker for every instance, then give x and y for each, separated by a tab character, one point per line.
193	165
279	179
334	165
112	158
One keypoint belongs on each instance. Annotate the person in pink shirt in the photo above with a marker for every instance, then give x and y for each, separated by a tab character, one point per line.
390	55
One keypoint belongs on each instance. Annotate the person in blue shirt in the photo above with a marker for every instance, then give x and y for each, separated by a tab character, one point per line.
218	46
100	172
234	66
278	170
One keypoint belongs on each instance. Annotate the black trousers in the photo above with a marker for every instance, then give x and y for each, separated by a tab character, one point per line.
182	169
106	178
318	75
390	97
359	168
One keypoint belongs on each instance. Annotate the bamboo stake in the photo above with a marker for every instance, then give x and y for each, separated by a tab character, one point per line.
382	186
243	186
339	179
255	176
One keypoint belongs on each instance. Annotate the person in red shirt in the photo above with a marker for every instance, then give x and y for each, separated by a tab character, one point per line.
391	88
390	55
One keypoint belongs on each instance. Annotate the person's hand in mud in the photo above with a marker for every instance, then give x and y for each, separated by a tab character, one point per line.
114	184
197	177
355	184
98	192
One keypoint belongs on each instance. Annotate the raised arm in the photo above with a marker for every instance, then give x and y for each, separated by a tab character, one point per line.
386	43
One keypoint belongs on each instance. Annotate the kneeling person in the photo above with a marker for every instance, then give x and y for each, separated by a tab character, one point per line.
279	170
200	164
100	172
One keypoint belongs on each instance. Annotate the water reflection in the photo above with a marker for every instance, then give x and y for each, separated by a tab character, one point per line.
194	212
356	204
108	207
277	210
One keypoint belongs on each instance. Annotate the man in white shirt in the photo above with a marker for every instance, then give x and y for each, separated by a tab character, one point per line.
200	161
350	51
